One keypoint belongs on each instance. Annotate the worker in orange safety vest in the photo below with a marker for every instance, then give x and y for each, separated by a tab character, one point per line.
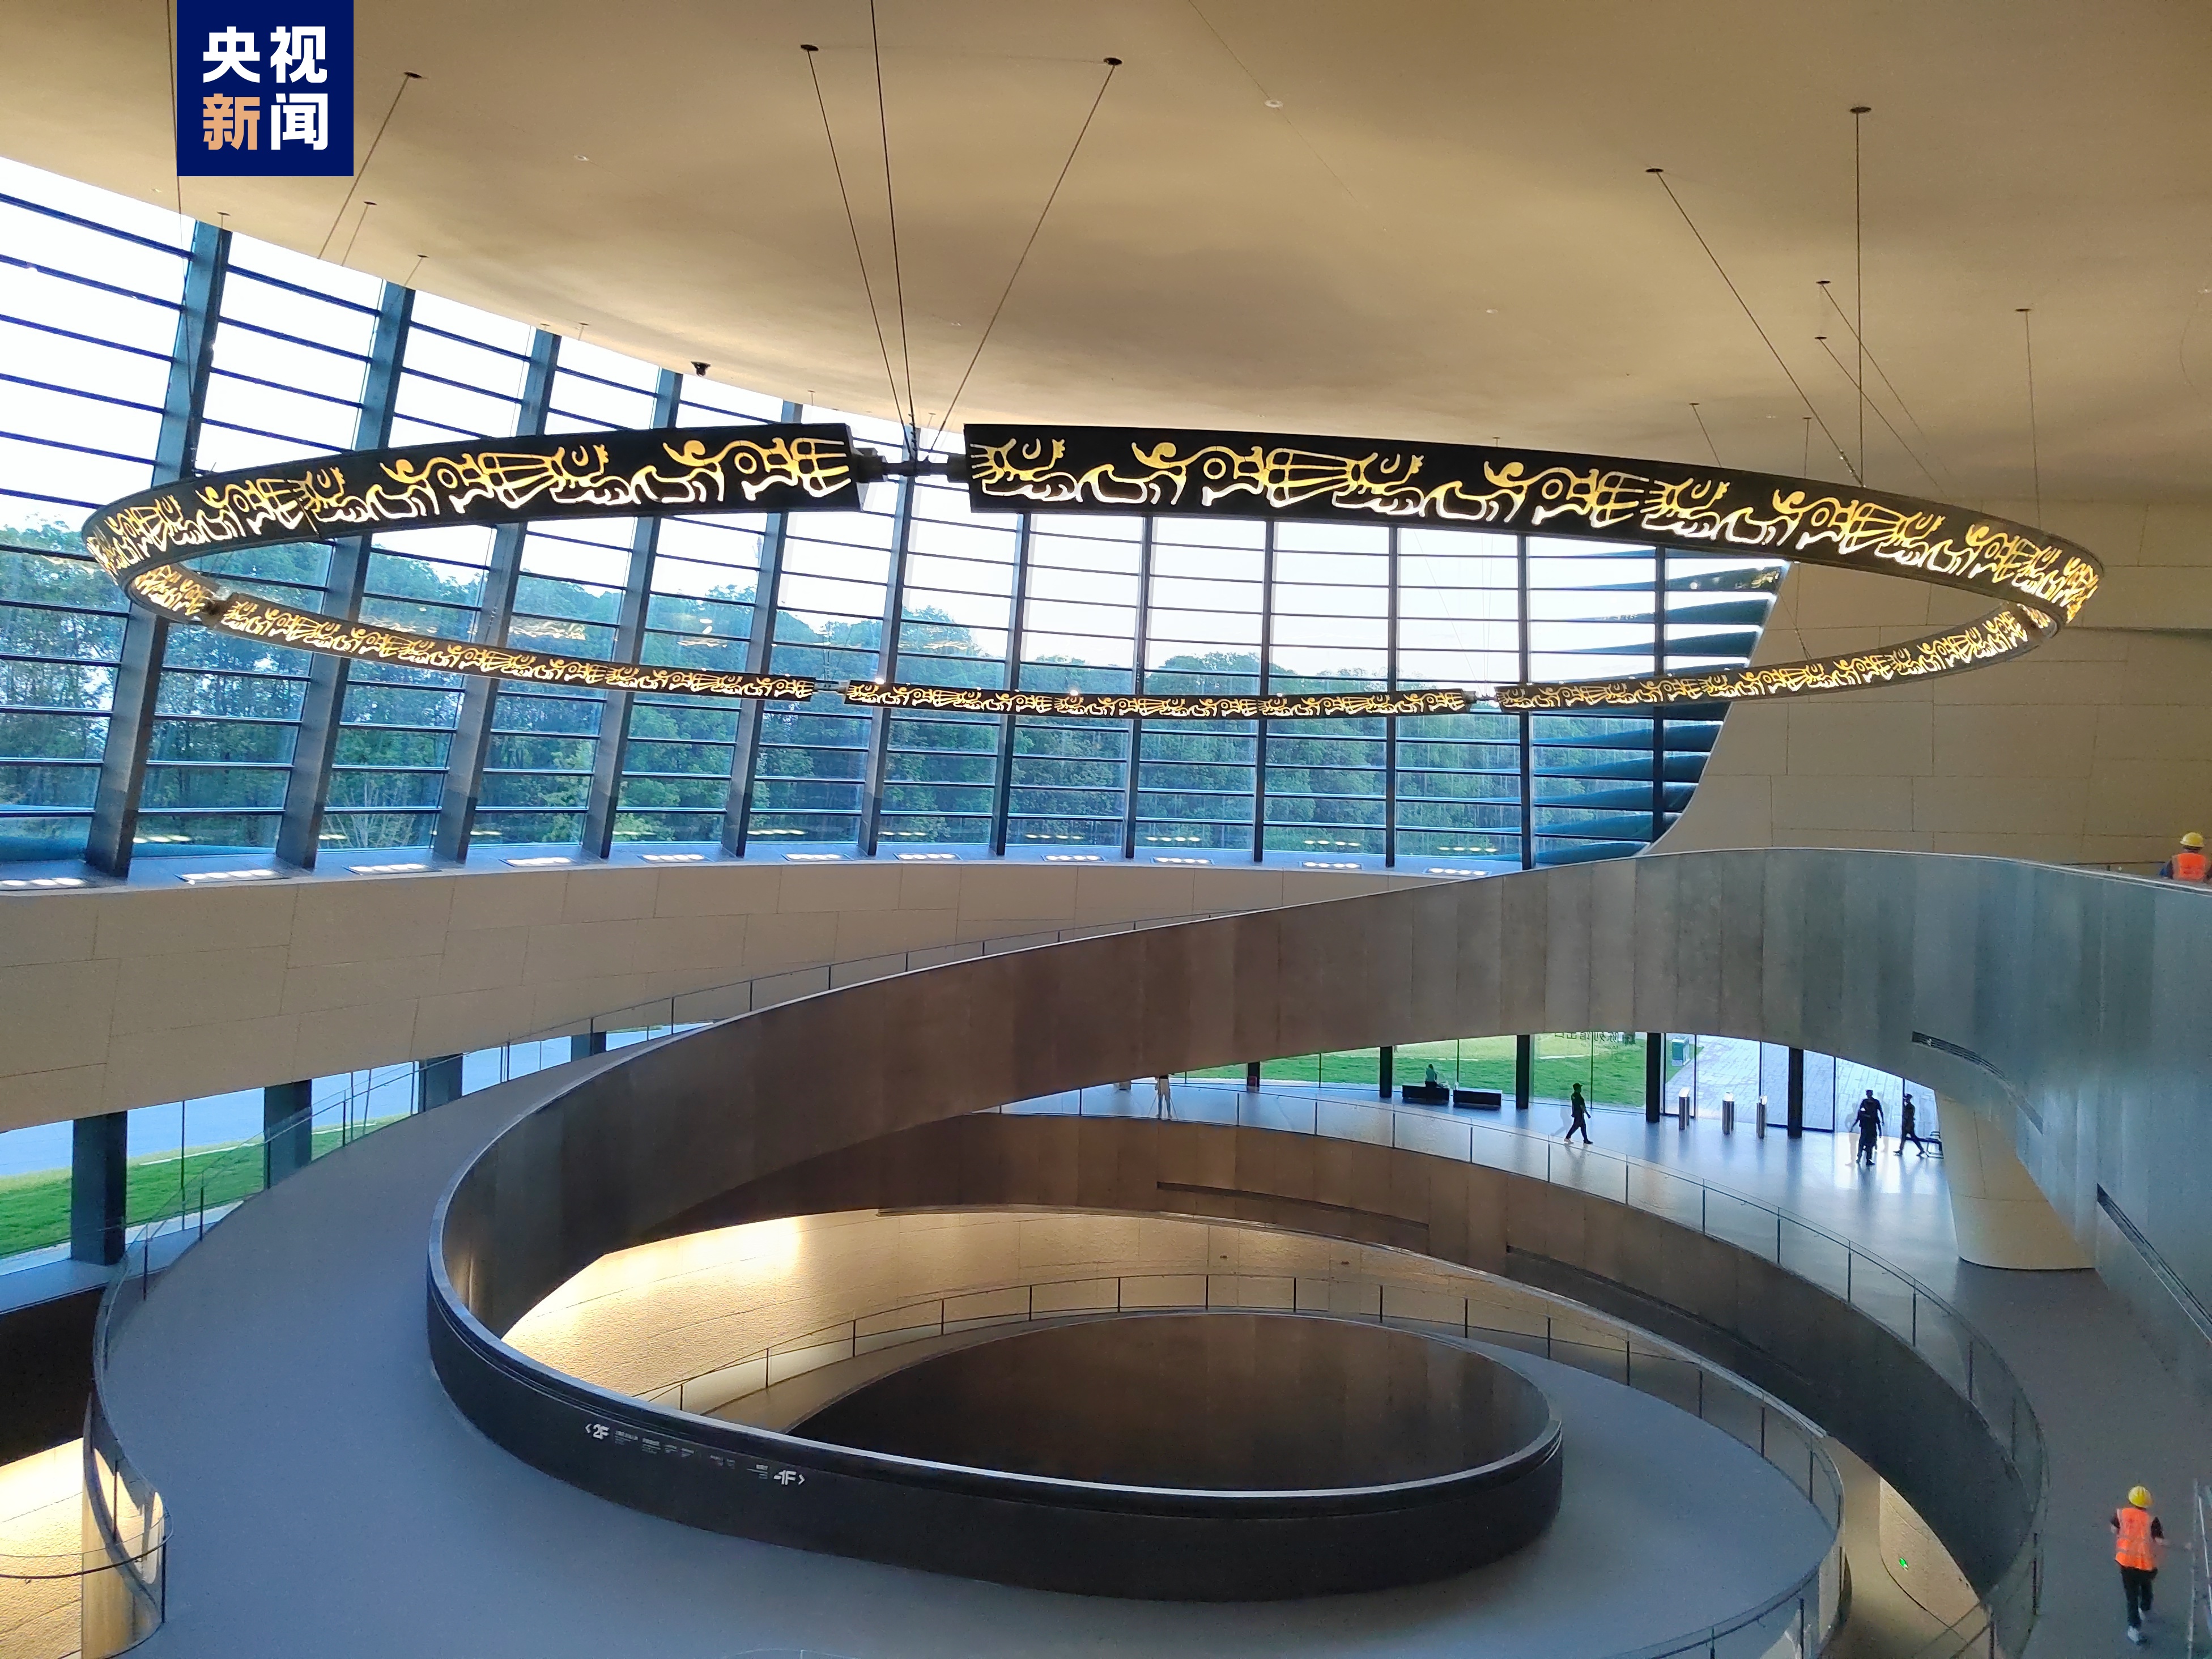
2138	1538
2190	863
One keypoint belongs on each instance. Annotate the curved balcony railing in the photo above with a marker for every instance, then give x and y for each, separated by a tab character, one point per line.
1907	1309
1805	1612
1936	1332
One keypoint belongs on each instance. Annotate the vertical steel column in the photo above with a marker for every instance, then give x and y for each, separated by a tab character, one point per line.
612	749
1527	728
437	1081
1654	1076
879	738
1659	665
760	652
1524	1070
1260	726
322	704
1796	1094
465	757
1003	789
1385	1057
145	636
1139	647
100	1151
1390	722
287	1128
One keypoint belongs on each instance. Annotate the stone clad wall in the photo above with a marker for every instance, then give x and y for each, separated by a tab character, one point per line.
112	998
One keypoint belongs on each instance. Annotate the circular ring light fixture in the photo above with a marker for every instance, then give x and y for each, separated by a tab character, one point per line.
2039	581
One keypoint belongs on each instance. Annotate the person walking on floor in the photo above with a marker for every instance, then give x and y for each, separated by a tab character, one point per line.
1578	1116
1868	1119
1905	1128
1162	1097
2137	1537
2188	864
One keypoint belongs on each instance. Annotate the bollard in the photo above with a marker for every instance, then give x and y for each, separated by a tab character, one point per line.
1762	1117
1727	1115
1683	1108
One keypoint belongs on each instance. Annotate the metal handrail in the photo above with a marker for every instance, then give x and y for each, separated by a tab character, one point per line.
1812	1598
2025	1452
1930	1326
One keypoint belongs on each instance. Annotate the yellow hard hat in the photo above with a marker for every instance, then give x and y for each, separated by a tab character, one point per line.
2193	841
2140	1496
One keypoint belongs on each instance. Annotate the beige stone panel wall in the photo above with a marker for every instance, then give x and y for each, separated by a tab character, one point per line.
122	997
2095	748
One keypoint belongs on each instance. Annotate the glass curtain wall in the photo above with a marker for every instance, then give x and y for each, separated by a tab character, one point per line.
291	355
91	288
461	375
912	585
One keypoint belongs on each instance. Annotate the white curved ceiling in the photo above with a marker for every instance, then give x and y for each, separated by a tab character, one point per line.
1445	228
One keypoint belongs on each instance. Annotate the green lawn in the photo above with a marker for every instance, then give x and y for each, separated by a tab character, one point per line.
1610	1070
34	1208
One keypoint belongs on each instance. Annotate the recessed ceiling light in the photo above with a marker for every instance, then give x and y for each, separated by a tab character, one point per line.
534	864
814	858
196	876
1163	858
387	869
1074	858
1317	864
14	881
1274	103
928	858
675	858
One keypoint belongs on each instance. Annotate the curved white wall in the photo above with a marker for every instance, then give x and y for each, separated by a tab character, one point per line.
2094	748
120	996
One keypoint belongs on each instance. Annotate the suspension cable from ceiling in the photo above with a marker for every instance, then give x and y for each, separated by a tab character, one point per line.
1660	173
1112	64
2035	444
1859	113
1710	444
1844	368
1927	443
361	172
891	211
853	224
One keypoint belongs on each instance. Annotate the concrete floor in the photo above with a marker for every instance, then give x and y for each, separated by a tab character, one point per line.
327	1497
298	1502
2112	1414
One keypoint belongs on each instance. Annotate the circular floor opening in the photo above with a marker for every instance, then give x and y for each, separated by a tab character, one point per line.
1231	1402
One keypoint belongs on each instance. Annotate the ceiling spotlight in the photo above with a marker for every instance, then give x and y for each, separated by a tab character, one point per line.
1274	103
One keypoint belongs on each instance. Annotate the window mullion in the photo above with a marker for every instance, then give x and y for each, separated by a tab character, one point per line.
464	758
145	636
612	749
760	652
307	790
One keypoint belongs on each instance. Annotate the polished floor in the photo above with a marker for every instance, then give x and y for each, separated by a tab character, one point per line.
314	1466
327	1497
2112	1414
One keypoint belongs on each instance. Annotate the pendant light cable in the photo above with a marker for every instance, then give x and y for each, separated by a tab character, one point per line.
891	211
1660	173
853	224
1112	64
2034	445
